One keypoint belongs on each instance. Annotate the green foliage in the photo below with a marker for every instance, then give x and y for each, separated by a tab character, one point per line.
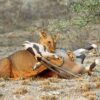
87	11
77	7
79	21
91	2
57	25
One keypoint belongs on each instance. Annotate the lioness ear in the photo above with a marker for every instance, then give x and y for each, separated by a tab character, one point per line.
42	34
56	37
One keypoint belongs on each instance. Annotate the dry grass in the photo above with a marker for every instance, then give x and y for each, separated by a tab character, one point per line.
43	83
28	97
20	91
92	97
48	97
86	94
2	79
79	79
25	82
50	88
95	79
1	94
2	84
98	85
54	80
85	87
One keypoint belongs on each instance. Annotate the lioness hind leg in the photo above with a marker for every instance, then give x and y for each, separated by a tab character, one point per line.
5	68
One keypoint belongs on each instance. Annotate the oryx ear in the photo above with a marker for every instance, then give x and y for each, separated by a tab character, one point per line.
42	34
56	37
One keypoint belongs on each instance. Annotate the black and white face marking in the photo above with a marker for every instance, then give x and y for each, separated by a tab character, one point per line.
31	51
82	57
34	48
37	49
92	46
89	48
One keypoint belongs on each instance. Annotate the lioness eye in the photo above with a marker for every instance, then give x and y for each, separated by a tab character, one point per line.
49	42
